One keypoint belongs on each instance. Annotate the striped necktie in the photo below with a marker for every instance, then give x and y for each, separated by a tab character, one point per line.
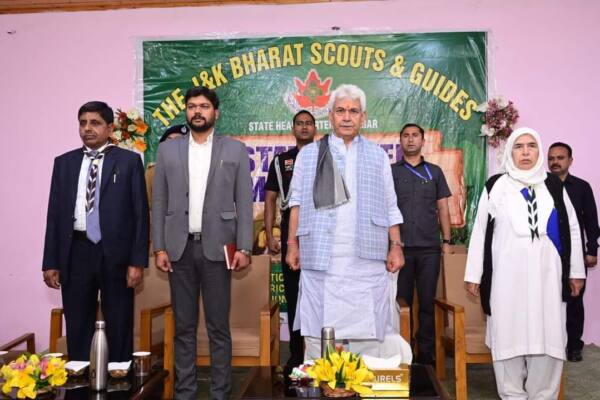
529	194
92	195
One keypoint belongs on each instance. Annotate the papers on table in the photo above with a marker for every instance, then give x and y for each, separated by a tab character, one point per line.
112	366
381	363
76	366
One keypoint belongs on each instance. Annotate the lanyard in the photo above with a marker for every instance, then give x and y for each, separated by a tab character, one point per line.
414	171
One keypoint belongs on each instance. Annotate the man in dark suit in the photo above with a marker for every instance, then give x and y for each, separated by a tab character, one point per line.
560	159
97	235
201	200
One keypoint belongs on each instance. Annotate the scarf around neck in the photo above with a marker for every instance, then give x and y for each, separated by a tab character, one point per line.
329	189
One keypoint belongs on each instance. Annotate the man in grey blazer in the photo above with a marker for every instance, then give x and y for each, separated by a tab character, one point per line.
201	200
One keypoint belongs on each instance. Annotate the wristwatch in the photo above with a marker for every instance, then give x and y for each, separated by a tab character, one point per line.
446	241
245	252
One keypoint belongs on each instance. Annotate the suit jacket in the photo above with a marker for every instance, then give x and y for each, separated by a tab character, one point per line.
227	213
123	210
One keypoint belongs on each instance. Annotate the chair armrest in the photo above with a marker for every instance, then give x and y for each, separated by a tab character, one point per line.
56	316
28	338
269	333
168	353
269	309
404	310
442	305
449	306
146	317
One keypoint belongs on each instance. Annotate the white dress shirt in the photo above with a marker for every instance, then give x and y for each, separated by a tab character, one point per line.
80	220
198	165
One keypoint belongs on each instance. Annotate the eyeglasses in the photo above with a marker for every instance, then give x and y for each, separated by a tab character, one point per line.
341	112
304	123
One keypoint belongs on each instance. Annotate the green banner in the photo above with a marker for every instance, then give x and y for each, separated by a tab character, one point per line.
432	79
277	287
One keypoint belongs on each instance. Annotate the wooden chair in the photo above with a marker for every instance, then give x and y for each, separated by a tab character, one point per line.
28	339
150	299
466	324
465	333
254	323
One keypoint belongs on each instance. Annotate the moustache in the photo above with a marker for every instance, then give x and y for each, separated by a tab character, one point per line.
554	165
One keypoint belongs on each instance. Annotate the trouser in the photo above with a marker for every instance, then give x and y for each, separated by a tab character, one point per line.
89	272
531	377
423	267
575	321
193	275
291	281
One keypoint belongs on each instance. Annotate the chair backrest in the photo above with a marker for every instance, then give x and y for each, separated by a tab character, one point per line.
454	274
250	291
153	292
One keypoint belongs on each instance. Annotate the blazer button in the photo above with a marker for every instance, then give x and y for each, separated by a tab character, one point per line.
187	194
186	213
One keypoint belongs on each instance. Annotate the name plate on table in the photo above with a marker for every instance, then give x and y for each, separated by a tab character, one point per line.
391	382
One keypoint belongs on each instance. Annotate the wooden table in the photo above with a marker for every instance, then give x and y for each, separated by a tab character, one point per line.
274	383
132	387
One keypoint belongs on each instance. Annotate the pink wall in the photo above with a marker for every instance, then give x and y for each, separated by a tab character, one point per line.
544	57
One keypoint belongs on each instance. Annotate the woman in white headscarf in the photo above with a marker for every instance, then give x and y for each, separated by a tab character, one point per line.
518	270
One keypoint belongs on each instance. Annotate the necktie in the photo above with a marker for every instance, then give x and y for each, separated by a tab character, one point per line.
92	196
529	194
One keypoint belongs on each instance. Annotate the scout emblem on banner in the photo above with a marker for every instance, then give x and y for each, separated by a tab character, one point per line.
312	94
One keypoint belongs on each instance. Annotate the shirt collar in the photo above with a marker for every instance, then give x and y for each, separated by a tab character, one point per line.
209	139
569	179
99	150
403	161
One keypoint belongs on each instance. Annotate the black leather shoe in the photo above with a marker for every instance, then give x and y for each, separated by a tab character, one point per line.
574	355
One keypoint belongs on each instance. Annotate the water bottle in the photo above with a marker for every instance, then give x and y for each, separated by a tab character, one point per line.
327	340
99	358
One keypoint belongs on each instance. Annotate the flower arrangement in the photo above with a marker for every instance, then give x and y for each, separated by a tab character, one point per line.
500	115
130	130
341	370
31	374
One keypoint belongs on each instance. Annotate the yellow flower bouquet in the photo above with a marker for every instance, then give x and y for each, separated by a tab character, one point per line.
30	375
341	373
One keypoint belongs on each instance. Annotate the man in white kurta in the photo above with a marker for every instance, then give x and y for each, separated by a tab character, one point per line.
352	294
526	329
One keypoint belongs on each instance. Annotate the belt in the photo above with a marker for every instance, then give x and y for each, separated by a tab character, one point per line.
195	237
79	235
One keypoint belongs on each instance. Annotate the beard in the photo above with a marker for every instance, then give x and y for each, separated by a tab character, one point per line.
201	125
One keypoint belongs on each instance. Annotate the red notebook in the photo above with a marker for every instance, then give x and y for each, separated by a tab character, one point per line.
229	249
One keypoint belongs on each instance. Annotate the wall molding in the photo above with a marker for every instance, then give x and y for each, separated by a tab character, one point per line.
37	6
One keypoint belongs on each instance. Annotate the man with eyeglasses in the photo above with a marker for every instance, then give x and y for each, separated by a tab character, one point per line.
201	200
344	234
277	189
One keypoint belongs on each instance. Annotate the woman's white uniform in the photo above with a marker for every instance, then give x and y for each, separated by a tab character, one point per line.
528	314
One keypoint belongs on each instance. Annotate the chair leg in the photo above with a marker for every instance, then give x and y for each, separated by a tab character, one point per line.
440	351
